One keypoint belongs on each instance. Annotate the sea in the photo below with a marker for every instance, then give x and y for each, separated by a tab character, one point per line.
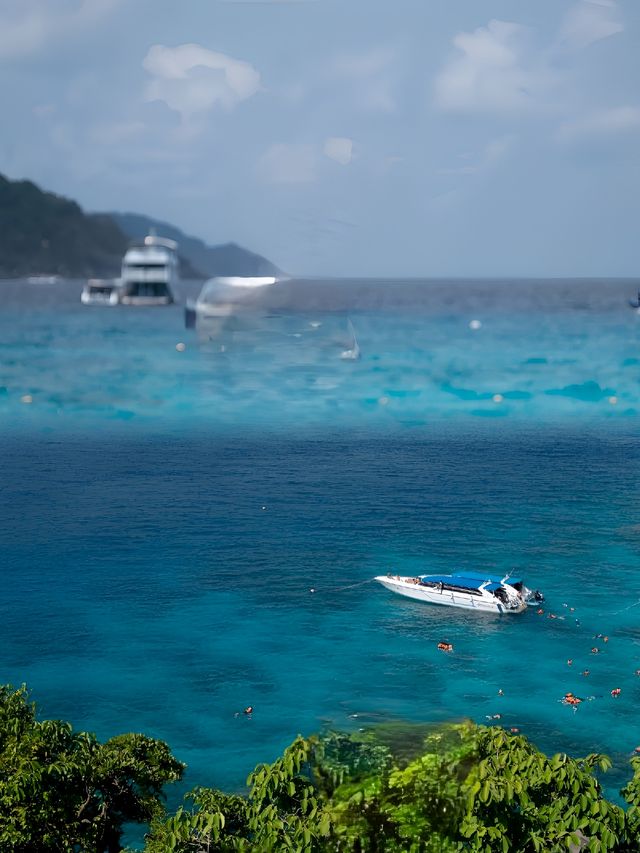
191	519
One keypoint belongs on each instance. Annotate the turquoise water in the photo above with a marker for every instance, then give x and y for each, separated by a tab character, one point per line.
165	514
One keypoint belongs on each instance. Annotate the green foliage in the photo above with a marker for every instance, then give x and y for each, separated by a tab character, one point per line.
472	788
469	789
62	790
413	806
44	233
281	812
41	232
339	757
518	799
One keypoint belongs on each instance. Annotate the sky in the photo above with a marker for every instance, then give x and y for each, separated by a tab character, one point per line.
342	137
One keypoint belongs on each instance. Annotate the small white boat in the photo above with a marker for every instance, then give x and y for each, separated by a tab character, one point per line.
353	353
485	593
245	280
43	279
101	291
223	296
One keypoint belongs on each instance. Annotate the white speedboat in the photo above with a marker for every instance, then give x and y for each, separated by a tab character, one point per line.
101	291
485	593
149	272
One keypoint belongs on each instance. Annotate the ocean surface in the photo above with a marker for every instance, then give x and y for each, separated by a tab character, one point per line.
166	513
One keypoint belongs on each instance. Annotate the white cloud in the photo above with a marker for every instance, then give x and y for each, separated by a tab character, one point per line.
22	35
491	71
289	164
603	123
339	148
590	21
26	26
191	79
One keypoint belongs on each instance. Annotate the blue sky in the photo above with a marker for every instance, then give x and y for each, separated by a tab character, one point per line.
342	137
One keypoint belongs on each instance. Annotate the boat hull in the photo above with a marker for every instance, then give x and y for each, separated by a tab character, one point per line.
147	300
89	299
446	597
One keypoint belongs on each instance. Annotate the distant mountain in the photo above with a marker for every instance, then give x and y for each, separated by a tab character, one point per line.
227	259
44	233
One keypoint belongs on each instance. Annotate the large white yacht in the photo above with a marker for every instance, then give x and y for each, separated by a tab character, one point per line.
149	272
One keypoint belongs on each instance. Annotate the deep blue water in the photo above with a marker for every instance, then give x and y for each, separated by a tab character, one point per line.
164	515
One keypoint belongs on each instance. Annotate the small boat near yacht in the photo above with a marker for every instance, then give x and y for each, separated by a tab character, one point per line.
223	296
149	272
101	291
468	590
353	353
245	280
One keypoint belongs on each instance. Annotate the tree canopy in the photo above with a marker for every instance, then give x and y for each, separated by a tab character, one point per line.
62	790
469	788
390	788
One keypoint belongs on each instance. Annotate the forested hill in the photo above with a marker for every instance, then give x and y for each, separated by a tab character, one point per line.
226	259
44	233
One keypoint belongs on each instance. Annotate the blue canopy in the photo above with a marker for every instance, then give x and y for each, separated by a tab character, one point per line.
494	578
454	580
467	580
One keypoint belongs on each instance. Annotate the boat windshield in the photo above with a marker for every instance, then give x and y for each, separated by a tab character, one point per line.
449	586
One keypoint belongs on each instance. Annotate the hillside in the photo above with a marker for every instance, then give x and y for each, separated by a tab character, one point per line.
41	232
44	233
227	259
